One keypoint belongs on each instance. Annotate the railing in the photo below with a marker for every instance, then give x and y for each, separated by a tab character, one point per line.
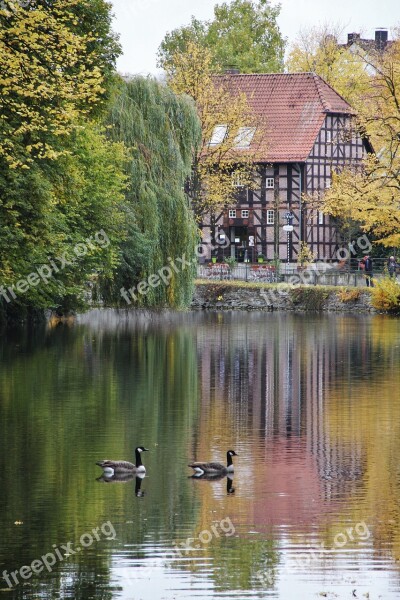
314	274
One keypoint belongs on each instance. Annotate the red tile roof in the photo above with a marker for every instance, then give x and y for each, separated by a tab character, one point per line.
294	105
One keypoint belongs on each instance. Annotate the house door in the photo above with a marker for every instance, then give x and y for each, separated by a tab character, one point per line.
239	243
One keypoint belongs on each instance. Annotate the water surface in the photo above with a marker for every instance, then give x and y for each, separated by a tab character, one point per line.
311	405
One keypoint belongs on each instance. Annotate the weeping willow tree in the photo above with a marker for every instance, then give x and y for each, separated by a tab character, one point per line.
160	131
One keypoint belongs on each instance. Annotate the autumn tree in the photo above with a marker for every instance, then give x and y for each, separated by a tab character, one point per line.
53	66
230	132
371	195
243	34
318	50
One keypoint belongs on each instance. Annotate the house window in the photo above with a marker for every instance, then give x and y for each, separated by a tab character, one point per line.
232	213
328	137
237	180
320	218
270	217
244	137
245	214
218	135
269	183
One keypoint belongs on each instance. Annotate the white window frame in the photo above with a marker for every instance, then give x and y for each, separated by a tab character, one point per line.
244	137
328	136
270	217
218	135
320	218
245	214
269	183
237	179
232	213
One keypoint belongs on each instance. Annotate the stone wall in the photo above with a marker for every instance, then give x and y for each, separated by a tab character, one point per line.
236	296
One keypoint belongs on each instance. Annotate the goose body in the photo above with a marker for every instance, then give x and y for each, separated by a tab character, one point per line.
214	468
110	467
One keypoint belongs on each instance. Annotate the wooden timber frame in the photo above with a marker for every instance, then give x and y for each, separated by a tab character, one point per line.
281	188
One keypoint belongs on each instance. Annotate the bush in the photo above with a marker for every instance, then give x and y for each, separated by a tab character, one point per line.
386	295
311	298
348	295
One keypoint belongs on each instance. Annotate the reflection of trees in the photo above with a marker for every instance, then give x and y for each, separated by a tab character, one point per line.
68	397
319	394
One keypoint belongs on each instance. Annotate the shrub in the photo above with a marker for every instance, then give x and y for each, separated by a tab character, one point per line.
231	262
348	295
312	298
386	295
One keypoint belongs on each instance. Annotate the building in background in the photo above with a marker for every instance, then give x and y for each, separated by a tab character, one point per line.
310	133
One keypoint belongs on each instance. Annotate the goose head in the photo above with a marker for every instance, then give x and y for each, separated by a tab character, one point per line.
141	449
231	453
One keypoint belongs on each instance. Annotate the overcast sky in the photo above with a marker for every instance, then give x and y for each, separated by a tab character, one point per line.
142	24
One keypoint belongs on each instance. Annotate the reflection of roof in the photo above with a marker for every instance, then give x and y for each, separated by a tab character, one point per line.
290	491
294	106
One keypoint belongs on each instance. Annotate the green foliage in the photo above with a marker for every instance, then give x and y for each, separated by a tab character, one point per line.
48	209
231	262
161	131
386	295
309	298
243	34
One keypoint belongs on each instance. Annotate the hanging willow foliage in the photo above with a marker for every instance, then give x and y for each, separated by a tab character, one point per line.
161	130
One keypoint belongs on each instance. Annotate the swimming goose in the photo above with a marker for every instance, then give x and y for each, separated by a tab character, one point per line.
122	466
212	468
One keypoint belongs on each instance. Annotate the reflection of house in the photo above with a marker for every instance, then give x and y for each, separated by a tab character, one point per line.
274	376
310	133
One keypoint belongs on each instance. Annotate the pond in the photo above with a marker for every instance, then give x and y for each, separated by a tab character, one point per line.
309	403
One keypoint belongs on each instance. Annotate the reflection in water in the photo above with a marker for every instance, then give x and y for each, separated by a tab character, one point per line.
310	403
216	477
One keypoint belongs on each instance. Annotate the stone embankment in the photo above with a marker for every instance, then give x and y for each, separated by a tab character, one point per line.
229	295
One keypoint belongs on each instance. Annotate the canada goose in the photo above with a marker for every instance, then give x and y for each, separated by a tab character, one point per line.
212	468
122	466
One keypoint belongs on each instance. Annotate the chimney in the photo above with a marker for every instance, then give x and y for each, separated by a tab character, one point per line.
381	38
352	37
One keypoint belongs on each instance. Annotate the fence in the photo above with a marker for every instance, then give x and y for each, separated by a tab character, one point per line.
315	274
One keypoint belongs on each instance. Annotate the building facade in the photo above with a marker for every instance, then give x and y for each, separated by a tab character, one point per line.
309	134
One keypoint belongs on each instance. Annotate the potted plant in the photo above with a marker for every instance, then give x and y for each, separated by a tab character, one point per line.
260	258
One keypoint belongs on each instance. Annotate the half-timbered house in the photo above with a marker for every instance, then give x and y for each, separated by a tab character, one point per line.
309	134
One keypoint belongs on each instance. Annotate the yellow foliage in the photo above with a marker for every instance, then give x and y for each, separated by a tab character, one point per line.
348	295
48	79
371	195
317	50
386	295
190	72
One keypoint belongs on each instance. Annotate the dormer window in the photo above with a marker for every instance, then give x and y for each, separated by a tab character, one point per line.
232	213
218	135
244	137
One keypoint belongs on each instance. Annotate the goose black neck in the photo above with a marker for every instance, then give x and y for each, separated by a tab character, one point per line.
229	459
138	458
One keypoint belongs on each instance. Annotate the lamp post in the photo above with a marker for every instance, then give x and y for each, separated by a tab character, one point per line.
288	228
